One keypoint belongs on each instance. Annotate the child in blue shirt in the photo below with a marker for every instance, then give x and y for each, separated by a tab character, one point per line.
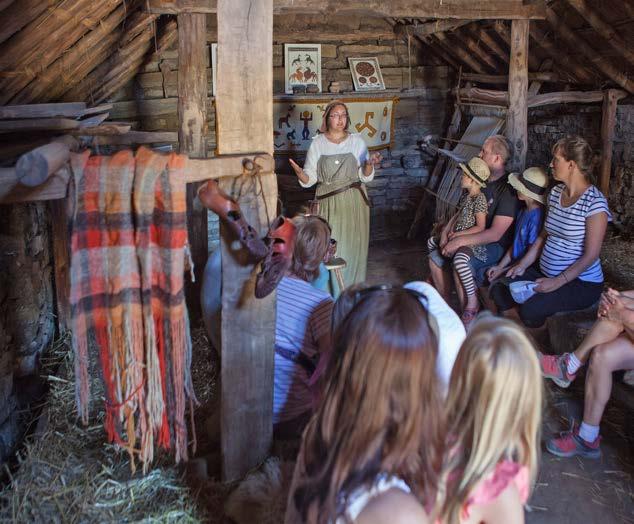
532	188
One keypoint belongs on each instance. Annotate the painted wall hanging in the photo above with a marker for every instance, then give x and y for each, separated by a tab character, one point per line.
295	123
366	74
302	66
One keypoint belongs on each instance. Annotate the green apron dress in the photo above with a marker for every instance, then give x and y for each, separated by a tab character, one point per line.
347	213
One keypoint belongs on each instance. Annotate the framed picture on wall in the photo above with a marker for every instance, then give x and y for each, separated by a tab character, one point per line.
302	66
366	74
214	65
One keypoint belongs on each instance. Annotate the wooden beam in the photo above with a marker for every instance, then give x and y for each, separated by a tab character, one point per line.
517	116
476	49
481	34
504	79
608	122
196	170
192	95
429	28
136	137
618	76
603	28
71	109
504	32
439	52
38	124
244	121
60	234
457	9
460	53
447	49
489	96
18	14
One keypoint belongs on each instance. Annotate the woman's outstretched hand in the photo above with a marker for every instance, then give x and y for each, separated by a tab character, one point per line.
303	177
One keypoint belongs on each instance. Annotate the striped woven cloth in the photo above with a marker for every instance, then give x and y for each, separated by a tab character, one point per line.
129	242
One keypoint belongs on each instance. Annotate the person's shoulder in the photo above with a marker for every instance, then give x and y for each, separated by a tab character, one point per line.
394	506
507	507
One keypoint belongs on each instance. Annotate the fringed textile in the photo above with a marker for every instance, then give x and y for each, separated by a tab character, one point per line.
127	296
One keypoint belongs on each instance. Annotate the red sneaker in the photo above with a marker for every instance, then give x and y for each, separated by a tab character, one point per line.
570	444
555	367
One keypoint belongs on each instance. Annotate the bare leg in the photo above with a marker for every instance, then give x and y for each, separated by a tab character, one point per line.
603	331
441	280
606	358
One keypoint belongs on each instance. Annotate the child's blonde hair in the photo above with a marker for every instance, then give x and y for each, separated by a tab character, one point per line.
493	411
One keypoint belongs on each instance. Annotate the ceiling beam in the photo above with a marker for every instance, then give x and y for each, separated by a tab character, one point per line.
616	75
429	28
504	33
477	49
458	9
603	28
461	53
503	79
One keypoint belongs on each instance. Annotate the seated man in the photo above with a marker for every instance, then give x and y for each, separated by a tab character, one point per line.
610	344
496	238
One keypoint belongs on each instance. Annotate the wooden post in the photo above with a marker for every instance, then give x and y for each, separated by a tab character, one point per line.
192	94
517	116
60	233
244	120
608	119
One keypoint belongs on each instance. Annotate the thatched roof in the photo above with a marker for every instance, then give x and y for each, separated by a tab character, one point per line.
86	50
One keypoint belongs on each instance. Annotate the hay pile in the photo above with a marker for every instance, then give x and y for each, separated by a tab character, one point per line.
67	473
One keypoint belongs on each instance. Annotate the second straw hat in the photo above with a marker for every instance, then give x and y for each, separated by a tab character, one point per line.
533	183
476	169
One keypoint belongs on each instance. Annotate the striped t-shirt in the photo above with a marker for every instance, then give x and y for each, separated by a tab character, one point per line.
303	321
566	228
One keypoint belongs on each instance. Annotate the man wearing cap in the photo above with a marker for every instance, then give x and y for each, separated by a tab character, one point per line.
498	234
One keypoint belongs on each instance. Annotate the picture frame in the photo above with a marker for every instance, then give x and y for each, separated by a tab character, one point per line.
302	66
214	64
366	73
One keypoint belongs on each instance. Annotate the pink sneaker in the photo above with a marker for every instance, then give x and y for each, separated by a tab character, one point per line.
555	367
570	444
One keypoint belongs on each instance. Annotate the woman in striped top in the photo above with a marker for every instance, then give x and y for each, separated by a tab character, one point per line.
569	275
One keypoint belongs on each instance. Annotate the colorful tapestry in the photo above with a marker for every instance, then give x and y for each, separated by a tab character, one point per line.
127	301
295	123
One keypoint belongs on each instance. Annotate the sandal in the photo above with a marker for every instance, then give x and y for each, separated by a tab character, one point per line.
281	239
215	199
468	316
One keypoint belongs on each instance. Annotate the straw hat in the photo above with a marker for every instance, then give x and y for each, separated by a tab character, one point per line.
477	170
533	183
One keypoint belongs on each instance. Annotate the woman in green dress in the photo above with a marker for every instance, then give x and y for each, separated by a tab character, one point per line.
339	163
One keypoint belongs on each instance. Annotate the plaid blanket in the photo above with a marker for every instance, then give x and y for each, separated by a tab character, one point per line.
127	297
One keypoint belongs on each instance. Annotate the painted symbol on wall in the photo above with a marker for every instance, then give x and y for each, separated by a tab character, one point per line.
306	117
290	135
383	136
385	111
366	124
284	119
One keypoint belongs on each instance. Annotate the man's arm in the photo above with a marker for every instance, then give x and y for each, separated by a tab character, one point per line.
498	227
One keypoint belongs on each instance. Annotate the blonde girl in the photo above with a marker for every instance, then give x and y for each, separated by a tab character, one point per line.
493	420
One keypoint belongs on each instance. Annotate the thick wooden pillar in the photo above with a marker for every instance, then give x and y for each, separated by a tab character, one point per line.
244	120
608	121
192	94
517	117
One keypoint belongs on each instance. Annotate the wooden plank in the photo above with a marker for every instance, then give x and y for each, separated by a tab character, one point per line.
429	28
536	82
69	109
245	122
19	14
608	122
476	49
11	191
60	233
472	9
504	32
460	53
192	92
38	124
517	116
617	75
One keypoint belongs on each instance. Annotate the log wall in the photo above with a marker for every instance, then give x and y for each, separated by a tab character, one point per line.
150	102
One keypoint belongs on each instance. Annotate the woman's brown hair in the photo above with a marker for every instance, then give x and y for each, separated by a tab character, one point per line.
579	151
311	243
381	410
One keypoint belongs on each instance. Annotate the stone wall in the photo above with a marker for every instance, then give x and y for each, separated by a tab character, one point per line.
549	124
150	102
26	309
